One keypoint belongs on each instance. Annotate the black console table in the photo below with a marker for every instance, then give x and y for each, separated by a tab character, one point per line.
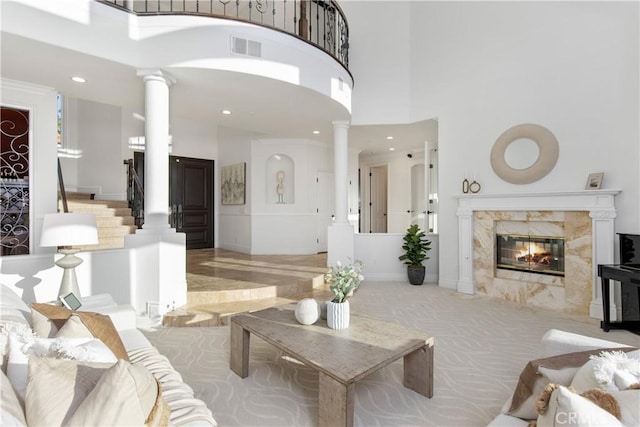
627	276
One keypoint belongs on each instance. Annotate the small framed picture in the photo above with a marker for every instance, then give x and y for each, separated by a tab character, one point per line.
594	181
70	301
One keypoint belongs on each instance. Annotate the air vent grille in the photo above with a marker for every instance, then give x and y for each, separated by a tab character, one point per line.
241	46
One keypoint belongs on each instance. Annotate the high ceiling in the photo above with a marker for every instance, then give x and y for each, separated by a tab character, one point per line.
260	105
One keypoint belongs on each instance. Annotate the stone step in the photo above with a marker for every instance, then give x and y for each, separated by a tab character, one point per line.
218	314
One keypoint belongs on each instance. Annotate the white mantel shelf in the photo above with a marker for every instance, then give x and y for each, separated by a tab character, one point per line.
599	203
558	200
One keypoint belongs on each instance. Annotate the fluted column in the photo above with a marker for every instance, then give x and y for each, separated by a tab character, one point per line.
156	170
341	170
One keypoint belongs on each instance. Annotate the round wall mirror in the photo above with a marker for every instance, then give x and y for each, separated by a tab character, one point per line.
524	153
521	153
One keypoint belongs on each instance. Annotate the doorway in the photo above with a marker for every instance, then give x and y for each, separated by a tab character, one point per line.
378	199
191	199
191	195
325	208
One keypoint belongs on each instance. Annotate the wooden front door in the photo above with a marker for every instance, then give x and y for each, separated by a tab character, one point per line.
191	199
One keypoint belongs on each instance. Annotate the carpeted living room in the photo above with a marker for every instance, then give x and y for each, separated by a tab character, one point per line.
481	347
269	141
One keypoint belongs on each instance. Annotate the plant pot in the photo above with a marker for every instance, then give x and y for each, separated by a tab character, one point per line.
338	315
416	274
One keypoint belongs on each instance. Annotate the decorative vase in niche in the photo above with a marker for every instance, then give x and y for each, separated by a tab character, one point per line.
338	315
307	311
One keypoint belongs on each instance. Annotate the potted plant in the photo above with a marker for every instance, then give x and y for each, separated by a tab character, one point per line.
344	280
415	249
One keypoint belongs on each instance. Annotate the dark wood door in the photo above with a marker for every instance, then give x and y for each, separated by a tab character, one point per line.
191	199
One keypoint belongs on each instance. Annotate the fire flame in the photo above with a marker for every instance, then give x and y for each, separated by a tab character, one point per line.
529	249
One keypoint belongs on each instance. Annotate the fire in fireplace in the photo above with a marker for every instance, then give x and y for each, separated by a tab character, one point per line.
535	254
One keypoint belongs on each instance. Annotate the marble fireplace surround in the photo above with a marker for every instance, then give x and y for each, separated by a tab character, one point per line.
558	208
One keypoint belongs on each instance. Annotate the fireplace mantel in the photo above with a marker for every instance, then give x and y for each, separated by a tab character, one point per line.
599	204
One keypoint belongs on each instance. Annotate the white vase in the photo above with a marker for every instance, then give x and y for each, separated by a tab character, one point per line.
338	315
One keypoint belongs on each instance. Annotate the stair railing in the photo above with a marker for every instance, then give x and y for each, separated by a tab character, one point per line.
135	193
63	192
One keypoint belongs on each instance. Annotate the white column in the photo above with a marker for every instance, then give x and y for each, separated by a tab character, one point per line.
603	238
156	169
158	252
341	172
341	244
465	251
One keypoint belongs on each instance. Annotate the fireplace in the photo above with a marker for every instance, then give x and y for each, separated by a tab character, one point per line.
534	254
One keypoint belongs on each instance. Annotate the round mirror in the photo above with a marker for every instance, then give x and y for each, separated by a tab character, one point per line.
524	163
521	153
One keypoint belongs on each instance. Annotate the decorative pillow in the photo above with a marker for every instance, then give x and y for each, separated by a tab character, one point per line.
538	373
11	412
22	349
57	387
63	392
12	308
570	409
609	371
98	325
629	401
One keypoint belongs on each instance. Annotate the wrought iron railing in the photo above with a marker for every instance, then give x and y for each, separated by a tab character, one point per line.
135	193
319	22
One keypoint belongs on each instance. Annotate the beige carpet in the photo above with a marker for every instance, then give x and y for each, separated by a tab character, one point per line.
481	345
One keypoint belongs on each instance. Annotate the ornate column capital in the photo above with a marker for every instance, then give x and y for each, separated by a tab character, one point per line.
156	74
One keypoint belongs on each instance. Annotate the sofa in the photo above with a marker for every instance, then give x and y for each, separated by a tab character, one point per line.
575	364
87	367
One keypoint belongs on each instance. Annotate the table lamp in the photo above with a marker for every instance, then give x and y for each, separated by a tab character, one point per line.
65	230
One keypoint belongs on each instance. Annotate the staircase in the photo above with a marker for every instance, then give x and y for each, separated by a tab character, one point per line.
113	218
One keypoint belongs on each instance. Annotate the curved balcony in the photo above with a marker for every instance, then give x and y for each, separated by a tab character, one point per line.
318	22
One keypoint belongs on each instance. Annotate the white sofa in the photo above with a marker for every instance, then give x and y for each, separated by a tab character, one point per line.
558	343
183	407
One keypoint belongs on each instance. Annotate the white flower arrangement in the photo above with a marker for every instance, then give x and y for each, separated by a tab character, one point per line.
344	280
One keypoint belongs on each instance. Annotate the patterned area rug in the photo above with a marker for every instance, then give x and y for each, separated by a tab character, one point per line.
481	345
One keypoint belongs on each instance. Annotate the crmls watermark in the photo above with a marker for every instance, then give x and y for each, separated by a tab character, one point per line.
573	418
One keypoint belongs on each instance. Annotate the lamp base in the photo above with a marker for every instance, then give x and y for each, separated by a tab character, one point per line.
68	263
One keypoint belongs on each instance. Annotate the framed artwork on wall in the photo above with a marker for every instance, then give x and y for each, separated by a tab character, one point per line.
232	181
594	182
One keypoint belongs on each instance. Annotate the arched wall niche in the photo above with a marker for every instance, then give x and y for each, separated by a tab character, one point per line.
279	180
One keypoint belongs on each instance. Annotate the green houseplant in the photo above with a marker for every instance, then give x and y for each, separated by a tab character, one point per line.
344	280
415	248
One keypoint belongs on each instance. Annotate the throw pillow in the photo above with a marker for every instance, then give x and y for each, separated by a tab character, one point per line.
99	325
538	373
56	388
11	412
609	371
629	402
570	409
24	349
88	394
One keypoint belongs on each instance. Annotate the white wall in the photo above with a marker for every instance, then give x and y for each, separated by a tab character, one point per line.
234	221
379	60
482	67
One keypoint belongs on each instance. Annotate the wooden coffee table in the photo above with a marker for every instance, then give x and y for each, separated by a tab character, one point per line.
341	357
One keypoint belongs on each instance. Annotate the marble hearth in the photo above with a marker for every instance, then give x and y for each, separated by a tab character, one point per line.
585	219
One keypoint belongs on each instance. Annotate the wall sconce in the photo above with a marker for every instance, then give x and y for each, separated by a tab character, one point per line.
66	230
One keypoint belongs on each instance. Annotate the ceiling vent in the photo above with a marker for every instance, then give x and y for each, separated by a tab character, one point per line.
241	46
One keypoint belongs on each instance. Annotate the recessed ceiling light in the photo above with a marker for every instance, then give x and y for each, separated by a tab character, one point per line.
391	149
226	112
389	138
316	132
79	79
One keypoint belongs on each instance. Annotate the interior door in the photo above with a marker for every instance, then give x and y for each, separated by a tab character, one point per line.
378	199
191	199
325	208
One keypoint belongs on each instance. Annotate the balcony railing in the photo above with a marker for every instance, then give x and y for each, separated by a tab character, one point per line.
319	22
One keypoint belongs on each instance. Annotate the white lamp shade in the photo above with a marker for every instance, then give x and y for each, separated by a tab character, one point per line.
69	229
